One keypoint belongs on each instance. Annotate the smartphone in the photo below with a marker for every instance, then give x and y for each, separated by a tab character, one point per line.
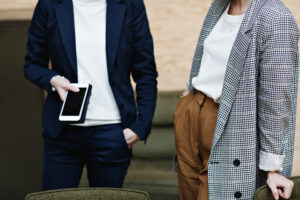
75	104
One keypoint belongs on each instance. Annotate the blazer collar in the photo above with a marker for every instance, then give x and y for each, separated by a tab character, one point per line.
65	19
251	15
219	6
114	23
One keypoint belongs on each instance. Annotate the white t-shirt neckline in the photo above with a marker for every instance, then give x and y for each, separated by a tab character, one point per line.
90	2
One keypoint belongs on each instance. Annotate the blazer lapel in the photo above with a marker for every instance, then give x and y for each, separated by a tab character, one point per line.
235	67
65	19
114	21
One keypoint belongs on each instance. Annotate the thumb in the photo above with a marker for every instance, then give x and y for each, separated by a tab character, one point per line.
72	88
274	191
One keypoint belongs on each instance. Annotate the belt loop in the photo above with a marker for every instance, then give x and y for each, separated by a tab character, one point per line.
194	92
203	100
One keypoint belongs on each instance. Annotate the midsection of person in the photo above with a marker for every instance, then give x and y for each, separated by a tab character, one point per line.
235	67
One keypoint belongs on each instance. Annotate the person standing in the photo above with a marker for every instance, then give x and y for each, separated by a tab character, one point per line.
101	42
235	125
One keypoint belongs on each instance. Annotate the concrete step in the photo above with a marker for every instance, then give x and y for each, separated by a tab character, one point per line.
152	166
160	144
165	107
156	177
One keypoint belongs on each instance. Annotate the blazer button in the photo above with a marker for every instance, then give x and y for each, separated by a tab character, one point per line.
112	84
237	195
121	106
236	162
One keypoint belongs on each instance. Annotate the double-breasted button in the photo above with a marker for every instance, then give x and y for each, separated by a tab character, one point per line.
112	84
236	162
238	195
121	105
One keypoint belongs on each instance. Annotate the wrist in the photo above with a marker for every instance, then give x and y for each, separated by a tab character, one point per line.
52	81
133	135
270	173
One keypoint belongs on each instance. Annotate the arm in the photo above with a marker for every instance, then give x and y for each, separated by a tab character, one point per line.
276	97
144	72
36	68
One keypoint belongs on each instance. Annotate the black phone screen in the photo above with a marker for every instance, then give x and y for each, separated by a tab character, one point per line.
74	102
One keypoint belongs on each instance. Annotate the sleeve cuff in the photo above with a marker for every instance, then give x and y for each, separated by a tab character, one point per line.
53	89
270	162
188	84
137	128
49	87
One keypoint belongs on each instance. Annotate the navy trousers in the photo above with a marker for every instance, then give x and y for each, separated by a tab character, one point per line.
102	149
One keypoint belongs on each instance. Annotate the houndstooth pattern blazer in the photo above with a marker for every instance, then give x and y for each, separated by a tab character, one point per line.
257	111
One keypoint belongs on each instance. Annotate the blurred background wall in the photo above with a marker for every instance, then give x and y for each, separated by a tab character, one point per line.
175	25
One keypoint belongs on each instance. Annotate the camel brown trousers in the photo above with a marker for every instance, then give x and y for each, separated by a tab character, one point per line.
194	122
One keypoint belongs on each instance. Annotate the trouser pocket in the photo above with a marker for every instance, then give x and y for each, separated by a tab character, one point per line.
185	133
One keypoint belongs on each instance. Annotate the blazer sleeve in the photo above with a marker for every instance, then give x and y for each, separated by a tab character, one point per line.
36	67
143	72
277	90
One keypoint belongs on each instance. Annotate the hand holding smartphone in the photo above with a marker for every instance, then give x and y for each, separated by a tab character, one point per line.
75	104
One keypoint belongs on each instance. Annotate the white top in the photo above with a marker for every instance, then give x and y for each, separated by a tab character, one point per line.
216	52
90	33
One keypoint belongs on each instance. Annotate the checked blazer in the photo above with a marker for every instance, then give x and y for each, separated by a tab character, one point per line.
257	111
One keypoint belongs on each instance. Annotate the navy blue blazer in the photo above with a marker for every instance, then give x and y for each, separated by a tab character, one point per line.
129	46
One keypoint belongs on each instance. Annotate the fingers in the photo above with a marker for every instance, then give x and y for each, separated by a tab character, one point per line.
288	188
71	88
62	93
68	86
130	137
127	138
280	192
274	191
185	93
60	82
62	85
62	89
280	185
